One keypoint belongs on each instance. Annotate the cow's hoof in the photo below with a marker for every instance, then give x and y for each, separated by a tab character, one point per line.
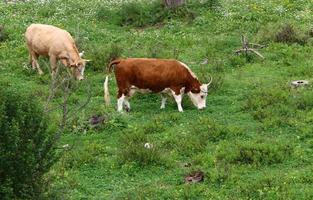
127	109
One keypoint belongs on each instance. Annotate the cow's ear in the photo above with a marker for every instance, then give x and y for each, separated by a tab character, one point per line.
81	54
87	60
64	56
195	90
74	65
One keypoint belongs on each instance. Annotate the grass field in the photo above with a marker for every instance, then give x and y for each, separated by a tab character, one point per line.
253	141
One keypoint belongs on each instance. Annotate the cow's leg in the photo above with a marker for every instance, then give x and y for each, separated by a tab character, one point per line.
178	98
163	101
30	52
120	101
127	104
35	63
127	97
31	59
53	64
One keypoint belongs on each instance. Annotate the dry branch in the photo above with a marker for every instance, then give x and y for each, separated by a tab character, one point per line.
246	47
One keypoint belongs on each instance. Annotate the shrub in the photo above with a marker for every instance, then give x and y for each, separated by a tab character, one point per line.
132	149
140	14
254	153
47	10
3	34
101	56
209	130
282	33
287	34
27	145
271	106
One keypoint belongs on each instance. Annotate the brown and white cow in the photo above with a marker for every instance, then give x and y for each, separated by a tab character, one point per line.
159	76
57	44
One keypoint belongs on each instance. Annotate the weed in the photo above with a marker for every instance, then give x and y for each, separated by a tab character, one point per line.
3	34
132	149
101	56
254	153
287	34
139	14
87	153
209	130
47	11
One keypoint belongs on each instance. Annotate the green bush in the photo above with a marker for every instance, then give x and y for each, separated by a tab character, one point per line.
101	56
141	14
254	153
3	34
132	149
27	145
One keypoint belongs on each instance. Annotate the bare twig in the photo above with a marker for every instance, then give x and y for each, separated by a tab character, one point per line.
246	47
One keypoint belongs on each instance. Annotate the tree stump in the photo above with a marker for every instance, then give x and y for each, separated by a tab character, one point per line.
173	3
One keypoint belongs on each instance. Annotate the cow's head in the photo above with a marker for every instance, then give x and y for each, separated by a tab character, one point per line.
198	95
78	68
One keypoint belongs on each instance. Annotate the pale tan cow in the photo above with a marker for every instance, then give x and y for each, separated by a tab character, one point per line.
57	44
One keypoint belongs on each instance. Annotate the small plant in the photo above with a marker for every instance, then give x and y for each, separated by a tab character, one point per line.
141	14
3	34
133	148
254	153
101	56
288	34
47	11
210	130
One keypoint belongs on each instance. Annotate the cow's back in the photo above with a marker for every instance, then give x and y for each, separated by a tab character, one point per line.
153	74
42	38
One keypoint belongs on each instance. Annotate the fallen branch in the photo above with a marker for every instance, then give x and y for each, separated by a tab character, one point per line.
246	47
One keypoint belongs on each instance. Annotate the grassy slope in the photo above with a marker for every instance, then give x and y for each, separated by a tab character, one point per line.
262	141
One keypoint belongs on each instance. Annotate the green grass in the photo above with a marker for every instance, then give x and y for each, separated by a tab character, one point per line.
253	141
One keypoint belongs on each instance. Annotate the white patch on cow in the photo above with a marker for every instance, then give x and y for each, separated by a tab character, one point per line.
191	72
120	102
199	99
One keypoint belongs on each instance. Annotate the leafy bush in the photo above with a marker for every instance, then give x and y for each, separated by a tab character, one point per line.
209	130
47	10
27	145
271	106
3	34
142	13
283	33
287	34
87	153
132	149
254	153
101	56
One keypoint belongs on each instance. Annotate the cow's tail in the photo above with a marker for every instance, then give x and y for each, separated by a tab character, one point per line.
114	62
106	82
106	91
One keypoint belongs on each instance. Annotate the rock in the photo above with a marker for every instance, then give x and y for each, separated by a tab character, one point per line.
95	120
194	177
299	83
148	145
